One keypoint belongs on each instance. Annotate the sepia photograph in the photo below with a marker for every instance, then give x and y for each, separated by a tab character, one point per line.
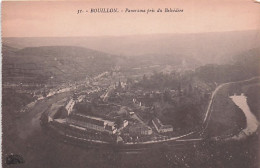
130	84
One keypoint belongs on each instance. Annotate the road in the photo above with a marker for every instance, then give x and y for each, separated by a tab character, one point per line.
209	110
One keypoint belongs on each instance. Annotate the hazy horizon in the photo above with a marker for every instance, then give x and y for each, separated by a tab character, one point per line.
60	18
129	35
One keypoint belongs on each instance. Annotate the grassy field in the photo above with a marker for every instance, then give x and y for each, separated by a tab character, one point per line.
226	117
253	99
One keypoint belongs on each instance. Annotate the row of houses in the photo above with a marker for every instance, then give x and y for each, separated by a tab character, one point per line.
69	106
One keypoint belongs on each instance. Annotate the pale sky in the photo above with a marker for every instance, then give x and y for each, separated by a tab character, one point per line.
60	18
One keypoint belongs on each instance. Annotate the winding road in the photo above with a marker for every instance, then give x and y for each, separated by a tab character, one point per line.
209	109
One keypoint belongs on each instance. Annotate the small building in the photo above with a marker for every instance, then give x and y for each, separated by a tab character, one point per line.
81	98
140	129
125	123
70	106
131	113
50	119
160	127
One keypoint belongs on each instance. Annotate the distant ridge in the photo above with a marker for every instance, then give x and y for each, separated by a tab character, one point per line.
215	47
63	51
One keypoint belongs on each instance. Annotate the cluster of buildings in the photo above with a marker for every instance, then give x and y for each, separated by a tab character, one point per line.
85	122
96	125
112	89
72	102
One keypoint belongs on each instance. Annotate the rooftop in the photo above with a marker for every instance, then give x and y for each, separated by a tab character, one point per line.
94	120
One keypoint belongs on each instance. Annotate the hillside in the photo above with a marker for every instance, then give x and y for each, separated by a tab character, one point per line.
244	66
7	50
56	63
214	47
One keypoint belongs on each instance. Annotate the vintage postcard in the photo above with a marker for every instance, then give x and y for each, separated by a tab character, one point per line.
130	84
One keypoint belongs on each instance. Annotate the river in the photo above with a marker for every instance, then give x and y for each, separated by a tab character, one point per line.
251	121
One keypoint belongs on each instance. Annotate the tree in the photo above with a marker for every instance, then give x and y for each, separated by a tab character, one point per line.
179	89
